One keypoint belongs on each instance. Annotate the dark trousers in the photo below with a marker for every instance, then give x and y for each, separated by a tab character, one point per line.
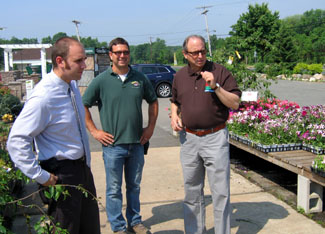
77	213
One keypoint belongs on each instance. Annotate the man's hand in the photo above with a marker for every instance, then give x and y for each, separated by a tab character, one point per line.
208	76
52	181
146	135
103	137
176	123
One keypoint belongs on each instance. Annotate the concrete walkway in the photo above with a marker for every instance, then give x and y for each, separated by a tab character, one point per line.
253	210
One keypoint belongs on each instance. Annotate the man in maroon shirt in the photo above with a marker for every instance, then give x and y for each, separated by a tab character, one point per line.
203	92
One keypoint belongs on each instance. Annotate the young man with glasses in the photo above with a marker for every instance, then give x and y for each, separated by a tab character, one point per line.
203	92
119	92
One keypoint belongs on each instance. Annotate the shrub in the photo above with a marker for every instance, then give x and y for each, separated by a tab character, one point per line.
303	68
10	104
315	68
273	70
4	90
300	68
259	67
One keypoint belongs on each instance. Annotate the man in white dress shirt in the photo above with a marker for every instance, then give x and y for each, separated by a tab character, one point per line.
54	117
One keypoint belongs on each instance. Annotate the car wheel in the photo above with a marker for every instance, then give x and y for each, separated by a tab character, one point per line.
164	90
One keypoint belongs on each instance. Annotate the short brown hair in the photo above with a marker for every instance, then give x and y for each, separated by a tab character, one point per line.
117	41
192	36
61	48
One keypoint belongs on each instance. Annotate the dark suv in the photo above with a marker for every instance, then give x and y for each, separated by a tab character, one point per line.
161	77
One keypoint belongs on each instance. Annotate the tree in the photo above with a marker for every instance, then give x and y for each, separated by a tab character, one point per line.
160	53
283	49
58	36
216	43
256	30
47	40
92	42
140	53
52	40
312	26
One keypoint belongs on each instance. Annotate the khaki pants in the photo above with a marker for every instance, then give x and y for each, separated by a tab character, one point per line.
209	153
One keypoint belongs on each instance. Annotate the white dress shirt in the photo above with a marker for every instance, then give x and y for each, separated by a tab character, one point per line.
49	118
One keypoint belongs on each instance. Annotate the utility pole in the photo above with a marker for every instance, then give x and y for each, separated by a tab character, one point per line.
150	49
205	11
76	23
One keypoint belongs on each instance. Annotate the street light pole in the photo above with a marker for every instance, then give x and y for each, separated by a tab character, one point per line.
77	29
206	24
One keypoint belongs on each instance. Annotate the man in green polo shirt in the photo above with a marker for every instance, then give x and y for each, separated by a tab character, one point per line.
119	92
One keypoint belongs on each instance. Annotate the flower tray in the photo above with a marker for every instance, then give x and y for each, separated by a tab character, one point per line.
318	172
266	148
313	149
277	148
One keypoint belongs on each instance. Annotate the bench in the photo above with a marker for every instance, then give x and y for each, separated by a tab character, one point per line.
310	185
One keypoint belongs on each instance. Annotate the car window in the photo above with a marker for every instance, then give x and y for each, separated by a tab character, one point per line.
135	68
162	70
149	70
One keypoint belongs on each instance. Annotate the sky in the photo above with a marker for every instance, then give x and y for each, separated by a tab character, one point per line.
138	21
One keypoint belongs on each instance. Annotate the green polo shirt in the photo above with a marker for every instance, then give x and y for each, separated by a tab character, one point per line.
120	103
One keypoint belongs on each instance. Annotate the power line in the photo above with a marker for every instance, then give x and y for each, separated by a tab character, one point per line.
151	34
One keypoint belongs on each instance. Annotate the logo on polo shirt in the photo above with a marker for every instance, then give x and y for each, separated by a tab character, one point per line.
135	84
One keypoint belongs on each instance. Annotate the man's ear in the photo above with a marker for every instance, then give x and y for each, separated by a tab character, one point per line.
59	61
184	54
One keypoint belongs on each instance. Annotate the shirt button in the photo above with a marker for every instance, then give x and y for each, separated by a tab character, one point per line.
195	88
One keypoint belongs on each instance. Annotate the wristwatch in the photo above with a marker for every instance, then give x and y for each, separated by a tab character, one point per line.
217	86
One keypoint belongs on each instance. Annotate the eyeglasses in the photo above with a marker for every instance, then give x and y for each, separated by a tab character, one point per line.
119	53
196	53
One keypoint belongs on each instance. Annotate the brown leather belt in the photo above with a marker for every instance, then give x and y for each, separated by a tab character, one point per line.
203	132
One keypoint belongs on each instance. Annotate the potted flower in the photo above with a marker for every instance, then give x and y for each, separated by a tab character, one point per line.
318	165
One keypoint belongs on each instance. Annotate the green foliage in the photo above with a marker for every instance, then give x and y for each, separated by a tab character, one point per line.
10	104
55	192
217	43
303	68
319	163
259	67
309	36
91	42
315	68
155	52
300	68
256	30
43	226
283	49
274	69
248	80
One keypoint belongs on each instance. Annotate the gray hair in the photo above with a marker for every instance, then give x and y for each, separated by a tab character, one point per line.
192	36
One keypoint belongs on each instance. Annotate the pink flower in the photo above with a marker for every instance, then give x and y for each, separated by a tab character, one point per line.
304	113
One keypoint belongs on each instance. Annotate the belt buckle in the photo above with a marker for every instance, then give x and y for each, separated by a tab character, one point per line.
200	133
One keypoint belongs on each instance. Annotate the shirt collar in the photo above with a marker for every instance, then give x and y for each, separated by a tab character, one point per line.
206	67
114	74
61	84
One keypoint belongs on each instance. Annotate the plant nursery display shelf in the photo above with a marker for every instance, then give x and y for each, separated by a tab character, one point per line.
310	184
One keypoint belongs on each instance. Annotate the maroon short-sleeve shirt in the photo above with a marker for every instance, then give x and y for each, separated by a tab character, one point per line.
201	109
